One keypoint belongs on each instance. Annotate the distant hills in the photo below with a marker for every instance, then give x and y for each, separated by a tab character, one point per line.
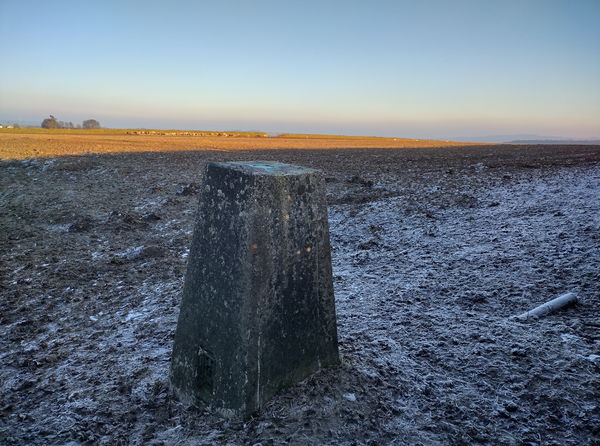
586	142
527	139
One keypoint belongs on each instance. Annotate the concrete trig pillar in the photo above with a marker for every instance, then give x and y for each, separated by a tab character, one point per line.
258	311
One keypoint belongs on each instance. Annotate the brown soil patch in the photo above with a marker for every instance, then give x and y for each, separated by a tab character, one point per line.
48	144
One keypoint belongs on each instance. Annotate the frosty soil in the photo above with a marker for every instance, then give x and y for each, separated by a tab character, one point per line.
433	251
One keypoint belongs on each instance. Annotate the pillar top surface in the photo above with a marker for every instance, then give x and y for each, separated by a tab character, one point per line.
272	168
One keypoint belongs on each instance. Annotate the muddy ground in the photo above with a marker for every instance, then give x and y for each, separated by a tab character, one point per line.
433	251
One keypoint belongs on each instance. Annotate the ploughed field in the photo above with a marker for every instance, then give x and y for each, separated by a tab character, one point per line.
32	143
433	250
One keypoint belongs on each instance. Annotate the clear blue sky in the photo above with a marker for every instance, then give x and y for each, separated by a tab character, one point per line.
418	68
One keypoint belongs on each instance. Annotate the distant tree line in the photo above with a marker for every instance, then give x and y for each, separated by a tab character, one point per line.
53	123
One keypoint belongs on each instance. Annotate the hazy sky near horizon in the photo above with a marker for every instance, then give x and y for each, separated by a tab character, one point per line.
427	68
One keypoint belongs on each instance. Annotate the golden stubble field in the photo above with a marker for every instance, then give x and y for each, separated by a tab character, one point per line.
36	143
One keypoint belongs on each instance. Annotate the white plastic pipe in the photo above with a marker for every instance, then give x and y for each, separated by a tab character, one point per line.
549	307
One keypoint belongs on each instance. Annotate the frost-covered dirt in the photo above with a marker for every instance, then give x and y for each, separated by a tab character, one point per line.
433	251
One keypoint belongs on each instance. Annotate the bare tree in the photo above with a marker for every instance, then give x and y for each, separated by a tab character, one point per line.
91	124
50	123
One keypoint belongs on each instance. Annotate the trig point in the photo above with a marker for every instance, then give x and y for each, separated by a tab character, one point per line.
258	311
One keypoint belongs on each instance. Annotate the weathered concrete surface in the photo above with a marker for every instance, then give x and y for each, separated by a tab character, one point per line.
258	311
